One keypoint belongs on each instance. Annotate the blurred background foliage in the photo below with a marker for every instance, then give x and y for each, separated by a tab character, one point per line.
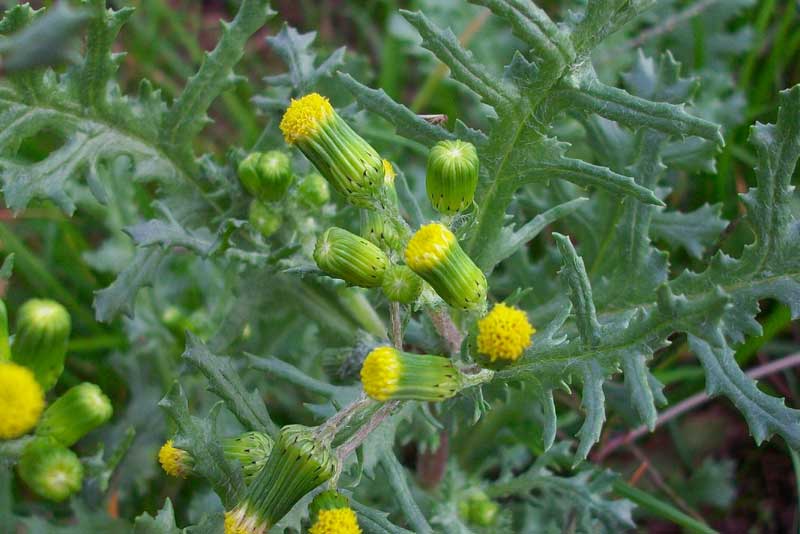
703	463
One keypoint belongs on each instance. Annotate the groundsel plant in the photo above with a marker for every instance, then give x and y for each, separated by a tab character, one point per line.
427	306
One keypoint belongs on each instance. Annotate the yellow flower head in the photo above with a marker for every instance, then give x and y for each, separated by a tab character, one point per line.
175	462
380	373
388	172
336	521
504	333
21	400
304	116
429	246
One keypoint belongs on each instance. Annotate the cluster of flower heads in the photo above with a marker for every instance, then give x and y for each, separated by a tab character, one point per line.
28	369
386	255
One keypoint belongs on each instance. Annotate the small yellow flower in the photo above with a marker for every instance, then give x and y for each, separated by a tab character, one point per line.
175	462
429	246
381	373
304	117
336	521
21	400
504	333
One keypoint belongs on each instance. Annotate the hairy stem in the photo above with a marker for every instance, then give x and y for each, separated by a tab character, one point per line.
446	328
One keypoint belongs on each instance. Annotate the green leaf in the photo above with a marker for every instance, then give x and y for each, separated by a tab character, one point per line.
187	116
374	521
513	240
407	123
295	50
402	492
49	40
694	231
121	294
162	523
224	381
463	67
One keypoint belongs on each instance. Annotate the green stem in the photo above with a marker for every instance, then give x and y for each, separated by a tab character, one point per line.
660	508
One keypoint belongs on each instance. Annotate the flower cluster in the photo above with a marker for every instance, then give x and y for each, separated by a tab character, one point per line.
408	266
29	367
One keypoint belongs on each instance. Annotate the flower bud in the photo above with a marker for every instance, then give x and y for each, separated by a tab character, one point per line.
355	260
174	461
264	219
75	413
299	462
434	254
313	191
40	342
331	514
401	284
251	450
21	400
478	509
390	374
267	176
50	470
345	159
503	335
452	176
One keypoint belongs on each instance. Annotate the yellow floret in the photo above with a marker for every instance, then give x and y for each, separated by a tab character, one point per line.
304	116
337	521
173	460
429	246
380	373
21	400
504	333
388	172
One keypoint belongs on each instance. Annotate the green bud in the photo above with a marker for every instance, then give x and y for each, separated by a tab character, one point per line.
5	347
267	176
452	176
478	509
351	258
378	230
265	220
401	284
251	450
50	470
75	413
40	342
313	191
299	462
484	513
434	254
343	157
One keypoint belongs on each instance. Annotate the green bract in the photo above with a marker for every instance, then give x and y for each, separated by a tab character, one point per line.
50	470
75	413
298	463
40	340
355	260
452	176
